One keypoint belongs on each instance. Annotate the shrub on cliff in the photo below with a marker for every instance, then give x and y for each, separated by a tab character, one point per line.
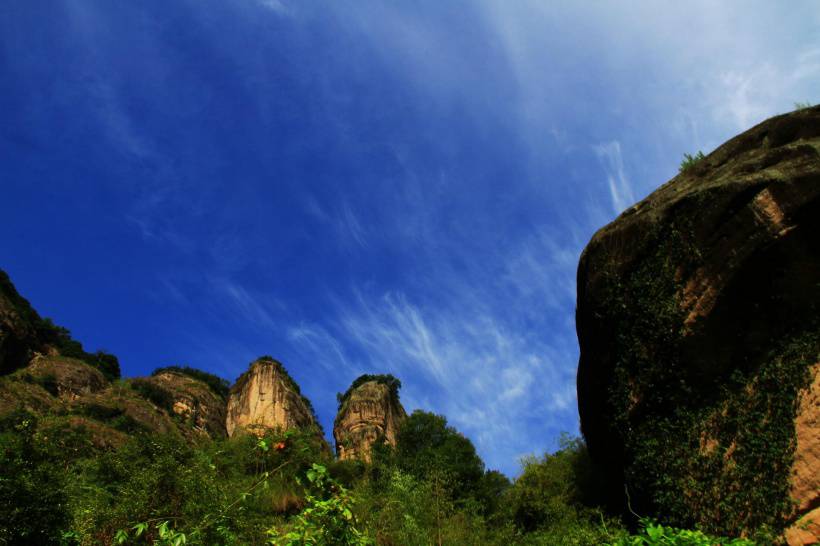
60	337
392	383
690	161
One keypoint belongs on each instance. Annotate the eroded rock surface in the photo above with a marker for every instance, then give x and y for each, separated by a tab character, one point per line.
805	483
370	412
192	402
66	377
698	319
266	397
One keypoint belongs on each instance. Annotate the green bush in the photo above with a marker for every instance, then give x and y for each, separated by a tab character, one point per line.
327	518
425	443
155	479
59	337
33	502
654	534
48	381
690	161
152	392
555	487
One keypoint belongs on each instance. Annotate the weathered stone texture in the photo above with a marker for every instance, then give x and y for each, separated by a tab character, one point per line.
264	398
369	413
748	277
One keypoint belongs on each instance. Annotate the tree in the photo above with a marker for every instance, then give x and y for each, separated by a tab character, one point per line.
426	447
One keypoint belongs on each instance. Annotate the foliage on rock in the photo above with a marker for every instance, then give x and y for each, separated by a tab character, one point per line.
390	381
218	385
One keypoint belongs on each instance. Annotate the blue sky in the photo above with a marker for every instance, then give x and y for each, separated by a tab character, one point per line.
356	187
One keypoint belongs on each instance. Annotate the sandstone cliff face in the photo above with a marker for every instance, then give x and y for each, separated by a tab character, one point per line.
805	481
698	318
266	397
370	412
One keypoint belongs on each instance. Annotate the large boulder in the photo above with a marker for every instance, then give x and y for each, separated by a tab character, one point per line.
266	397
369	412
698	319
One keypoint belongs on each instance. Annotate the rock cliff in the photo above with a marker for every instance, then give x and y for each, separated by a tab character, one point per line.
369	411
45	372
265	396
18	328
698	318
188	399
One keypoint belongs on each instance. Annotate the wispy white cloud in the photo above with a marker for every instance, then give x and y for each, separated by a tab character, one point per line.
275	5
620	188
482	328
488	379
321	346
252	308
349	224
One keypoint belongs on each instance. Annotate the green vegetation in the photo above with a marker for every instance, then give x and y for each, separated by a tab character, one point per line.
327	517
392	383
219	386
152	392
48	381
56	487
32	485
47	333
427	448
690	437
802	105
60	338
690	161
654	534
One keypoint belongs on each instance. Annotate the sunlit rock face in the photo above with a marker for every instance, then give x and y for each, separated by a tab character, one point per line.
370	413
265	397
698	318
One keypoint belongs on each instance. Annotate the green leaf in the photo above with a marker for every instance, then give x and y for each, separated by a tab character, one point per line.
140	528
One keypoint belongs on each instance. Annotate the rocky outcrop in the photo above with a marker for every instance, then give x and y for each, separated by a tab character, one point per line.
192	402
66	377
265	397
369	412
18	328
698	319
